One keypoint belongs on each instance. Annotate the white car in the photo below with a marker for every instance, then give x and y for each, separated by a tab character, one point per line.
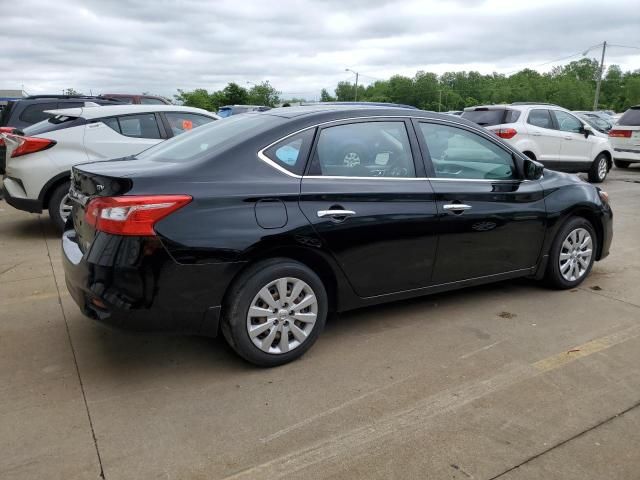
38	160
550	134
625	138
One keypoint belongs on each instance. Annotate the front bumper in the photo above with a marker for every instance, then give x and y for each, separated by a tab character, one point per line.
15	196
132	283
607	231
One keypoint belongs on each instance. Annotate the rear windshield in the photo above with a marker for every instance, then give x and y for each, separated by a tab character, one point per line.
58	122
207	140
488	117
630	118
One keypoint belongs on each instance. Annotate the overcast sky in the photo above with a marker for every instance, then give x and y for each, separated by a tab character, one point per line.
130	46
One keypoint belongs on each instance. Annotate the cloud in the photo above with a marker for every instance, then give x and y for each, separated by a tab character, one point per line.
301	46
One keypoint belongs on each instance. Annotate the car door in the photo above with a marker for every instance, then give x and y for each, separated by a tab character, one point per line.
121	136
575	150
371	205
543	133
491	221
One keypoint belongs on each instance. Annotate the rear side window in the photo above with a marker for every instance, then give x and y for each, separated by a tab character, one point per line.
112	123
291	153
486	117
181	122
630	118
540	118
367	149
35	113
59	122
139	126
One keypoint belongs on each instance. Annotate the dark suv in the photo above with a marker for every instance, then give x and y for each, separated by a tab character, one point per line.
137	99
29	110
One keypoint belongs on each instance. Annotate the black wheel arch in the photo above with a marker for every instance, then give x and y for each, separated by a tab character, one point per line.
50	186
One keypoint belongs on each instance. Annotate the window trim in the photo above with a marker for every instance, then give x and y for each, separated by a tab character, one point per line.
413	137
557	122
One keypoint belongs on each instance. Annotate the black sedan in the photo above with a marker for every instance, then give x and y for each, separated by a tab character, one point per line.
261	224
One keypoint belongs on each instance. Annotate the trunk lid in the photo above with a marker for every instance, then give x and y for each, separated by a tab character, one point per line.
88	182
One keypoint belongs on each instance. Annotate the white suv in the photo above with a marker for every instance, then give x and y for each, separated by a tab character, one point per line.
625	138
38	160
550	134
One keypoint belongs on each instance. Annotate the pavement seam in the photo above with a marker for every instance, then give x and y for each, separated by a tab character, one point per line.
564	442
73	351
590	290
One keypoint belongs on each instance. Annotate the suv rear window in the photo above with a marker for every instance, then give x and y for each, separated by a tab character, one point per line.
35	113
489	117
630	118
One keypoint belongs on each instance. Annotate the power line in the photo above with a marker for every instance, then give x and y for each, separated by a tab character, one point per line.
622	46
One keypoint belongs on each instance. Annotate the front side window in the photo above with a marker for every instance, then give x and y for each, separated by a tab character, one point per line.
567	122
367	149
461	154
142	125
181	122
540	118
291	153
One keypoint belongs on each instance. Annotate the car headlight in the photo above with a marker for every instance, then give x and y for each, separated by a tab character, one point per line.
604	196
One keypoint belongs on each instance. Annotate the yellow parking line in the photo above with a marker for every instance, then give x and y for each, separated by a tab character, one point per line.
596	345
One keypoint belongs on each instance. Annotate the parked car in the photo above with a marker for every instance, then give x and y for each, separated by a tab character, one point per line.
29	110
550	134
598	122
38	159
256	226
137	99
229	110
625	138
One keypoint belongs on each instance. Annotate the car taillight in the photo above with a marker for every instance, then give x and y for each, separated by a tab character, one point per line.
620	133
506	132
29	144
132	215
4	130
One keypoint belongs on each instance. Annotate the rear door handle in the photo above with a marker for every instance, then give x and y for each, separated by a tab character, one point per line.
568	137
456	207
335	213
536	134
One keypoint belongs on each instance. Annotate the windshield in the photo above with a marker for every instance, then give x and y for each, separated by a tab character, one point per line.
631	118
485	117
209	139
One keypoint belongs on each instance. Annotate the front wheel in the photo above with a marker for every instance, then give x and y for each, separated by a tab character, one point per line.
599	169
572	254
60	205
621	164
275	311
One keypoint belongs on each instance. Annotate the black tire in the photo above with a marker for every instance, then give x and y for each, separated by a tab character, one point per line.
54	205
554	277
621	163
595	172
241	295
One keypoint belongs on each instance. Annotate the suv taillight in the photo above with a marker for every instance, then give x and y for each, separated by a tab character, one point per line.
506	132
5	130
29	144
132	215
620	133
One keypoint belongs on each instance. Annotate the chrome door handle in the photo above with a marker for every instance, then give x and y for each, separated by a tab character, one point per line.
335	213
456	207
536	134
568	137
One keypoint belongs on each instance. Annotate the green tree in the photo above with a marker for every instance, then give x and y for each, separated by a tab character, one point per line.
199	98
263	94
234	94
325	96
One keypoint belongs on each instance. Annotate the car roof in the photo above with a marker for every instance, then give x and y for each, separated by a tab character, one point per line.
111	110
369	110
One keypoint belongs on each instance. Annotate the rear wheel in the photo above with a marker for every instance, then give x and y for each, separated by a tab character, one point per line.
572	254
275	311
60	205
621	164
599	169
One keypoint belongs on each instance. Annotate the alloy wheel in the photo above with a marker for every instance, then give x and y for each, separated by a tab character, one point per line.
352	159
65	207
282	315
602	168
575	254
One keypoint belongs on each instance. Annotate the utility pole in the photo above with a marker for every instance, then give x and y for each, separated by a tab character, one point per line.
357	75
595	100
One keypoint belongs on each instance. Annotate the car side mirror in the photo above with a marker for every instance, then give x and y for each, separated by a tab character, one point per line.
587	130
532	169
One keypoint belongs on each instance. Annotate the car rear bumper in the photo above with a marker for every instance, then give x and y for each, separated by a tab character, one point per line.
626	154
133	284
15	195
